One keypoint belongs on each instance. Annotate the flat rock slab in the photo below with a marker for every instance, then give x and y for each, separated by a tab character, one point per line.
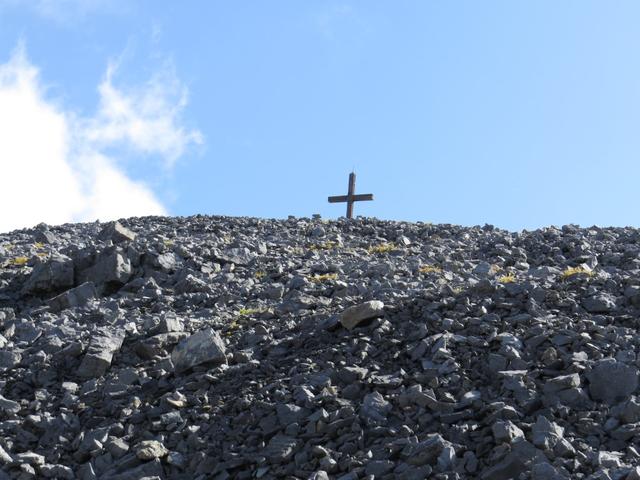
357	314
73	297
100	353
600	303
611	381
117	233
204	346
280	449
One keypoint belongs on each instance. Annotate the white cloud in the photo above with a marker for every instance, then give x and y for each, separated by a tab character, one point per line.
54	166
146	118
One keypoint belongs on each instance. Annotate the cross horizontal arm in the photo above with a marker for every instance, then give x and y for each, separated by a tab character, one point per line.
354	198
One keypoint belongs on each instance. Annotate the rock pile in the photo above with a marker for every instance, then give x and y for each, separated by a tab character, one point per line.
239	348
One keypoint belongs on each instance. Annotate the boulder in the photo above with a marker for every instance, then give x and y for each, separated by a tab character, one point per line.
100	354
611	381
55	274
150	450
73	297
204	346
357	314
117	233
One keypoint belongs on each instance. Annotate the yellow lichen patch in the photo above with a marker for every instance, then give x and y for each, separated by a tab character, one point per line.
430	269
295	251
18	261
324	277
246	312
382	248
323	246
508	278
260	274
38	245
571	271
168	243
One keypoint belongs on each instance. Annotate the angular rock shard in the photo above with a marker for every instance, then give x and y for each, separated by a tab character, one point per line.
117	233
73	297
204	346
100	354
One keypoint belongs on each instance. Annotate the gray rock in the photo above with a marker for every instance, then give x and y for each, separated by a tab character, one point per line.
5	458
280	449
9	406
378	468
117	447
9	360
611	381
111	267
157	345
150	450
289	413
117	233
237	256
562	382
45	236
545	434
57	471
506	431
205	346
73	297
546	471
55	274
100	353
169	323
600	303
30	458
425	452
356	314
375	407
319	475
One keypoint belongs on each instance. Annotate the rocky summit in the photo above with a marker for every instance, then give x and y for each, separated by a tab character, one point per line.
240	348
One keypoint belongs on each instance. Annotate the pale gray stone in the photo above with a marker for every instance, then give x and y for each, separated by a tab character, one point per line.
150	450
117	233
356	314
9	406
204	346
73	297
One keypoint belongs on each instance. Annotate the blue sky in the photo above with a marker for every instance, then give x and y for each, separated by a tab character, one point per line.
518	114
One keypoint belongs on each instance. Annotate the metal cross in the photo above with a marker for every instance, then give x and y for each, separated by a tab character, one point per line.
351	196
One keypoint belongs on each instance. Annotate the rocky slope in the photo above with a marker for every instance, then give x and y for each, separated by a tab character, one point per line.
214	347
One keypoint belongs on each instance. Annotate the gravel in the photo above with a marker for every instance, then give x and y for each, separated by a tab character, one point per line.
240	348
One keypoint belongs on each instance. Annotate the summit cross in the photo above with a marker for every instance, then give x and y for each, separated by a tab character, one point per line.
351	196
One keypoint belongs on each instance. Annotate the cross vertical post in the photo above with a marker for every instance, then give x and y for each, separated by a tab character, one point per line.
350	198
351	191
